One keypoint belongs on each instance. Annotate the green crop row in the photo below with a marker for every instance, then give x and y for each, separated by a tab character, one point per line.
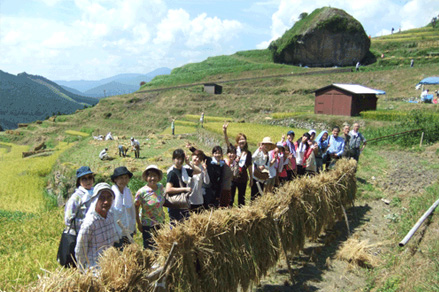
287	115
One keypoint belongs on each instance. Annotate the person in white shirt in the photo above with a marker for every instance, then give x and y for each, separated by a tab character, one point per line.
196	182
136	147
103	155
261	164
123	208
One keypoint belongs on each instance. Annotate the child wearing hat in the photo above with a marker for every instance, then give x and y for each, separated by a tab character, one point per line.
98	231
79	201
149	204
261	162
123	206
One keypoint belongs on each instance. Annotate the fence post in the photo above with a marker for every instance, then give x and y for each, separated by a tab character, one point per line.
422	138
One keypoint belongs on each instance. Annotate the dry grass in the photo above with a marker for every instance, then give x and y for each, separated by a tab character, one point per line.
359	253
225	249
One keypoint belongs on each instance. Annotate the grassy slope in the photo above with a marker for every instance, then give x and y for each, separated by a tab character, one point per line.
141	114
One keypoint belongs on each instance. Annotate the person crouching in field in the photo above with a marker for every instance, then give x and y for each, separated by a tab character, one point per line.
149	204
123	207
177	182
196	182
244	159
122	150
98	231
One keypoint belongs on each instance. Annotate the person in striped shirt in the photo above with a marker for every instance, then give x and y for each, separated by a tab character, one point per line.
98	230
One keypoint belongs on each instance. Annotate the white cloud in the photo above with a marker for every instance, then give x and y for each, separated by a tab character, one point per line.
177	27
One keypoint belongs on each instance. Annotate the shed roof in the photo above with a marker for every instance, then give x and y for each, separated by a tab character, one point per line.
354	88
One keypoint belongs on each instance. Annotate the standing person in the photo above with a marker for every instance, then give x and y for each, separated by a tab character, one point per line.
288	164
197	181
276	157
123	207
412	63
261	164
346	138
98	231
202	119
335	149
291	147
245	170
230	172
357	67
303	151
173	127
177	182
311	166
79	201
356	140
215	166
322	144
149	203
136	147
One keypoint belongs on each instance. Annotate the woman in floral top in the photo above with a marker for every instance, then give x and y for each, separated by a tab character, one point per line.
150	199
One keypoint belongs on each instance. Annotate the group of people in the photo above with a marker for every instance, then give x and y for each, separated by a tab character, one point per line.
104	215
123	150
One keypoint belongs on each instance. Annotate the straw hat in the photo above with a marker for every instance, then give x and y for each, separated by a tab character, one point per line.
153	167
267	140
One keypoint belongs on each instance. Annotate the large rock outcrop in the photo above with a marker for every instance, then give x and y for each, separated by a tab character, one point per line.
326	37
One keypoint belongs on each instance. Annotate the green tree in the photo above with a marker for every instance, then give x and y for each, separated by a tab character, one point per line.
303	15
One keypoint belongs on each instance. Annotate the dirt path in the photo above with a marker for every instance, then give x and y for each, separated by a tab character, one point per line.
317	268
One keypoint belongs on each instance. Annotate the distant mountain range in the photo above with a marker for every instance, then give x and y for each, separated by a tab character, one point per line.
26	98
116	85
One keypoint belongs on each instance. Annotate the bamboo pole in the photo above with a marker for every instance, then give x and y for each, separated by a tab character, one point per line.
418	224
383	137
276	224
160	285
422	138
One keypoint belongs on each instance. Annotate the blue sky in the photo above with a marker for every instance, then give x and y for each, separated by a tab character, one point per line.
95	39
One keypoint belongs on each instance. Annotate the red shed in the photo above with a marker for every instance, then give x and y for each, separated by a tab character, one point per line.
345	99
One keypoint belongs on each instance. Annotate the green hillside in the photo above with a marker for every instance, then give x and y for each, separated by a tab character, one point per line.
27	98
256	106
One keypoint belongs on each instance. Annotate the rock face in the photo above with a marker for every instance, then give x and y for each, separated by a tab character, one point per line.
326	37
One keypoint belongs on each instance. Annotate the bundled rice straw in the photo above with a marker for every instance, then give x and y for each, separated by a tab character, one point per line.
358	253
225	249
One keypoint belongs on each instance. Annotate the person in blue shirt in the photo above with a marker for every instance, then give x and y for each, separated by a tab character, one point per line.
335	149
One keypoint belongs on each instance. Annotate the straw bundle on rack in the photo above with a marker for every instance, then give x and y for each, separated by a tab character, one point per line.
225	249
220	250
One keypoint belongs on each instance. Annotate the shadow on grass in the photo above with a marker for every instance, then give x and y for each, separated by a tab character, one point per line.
310	264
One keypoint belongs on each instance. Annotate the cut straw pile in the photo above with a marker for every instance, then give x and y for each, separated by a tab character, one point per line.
225	249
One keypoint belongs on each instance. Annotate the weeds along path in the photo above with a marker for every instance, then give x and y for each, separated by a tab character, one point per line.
392	176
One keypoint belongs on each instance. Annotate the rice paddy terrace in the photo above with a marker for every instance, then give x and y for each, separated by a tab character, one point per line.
263	107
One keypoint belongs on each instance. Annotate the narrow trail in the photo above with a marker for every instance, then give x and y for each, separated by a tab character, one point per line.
317	268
